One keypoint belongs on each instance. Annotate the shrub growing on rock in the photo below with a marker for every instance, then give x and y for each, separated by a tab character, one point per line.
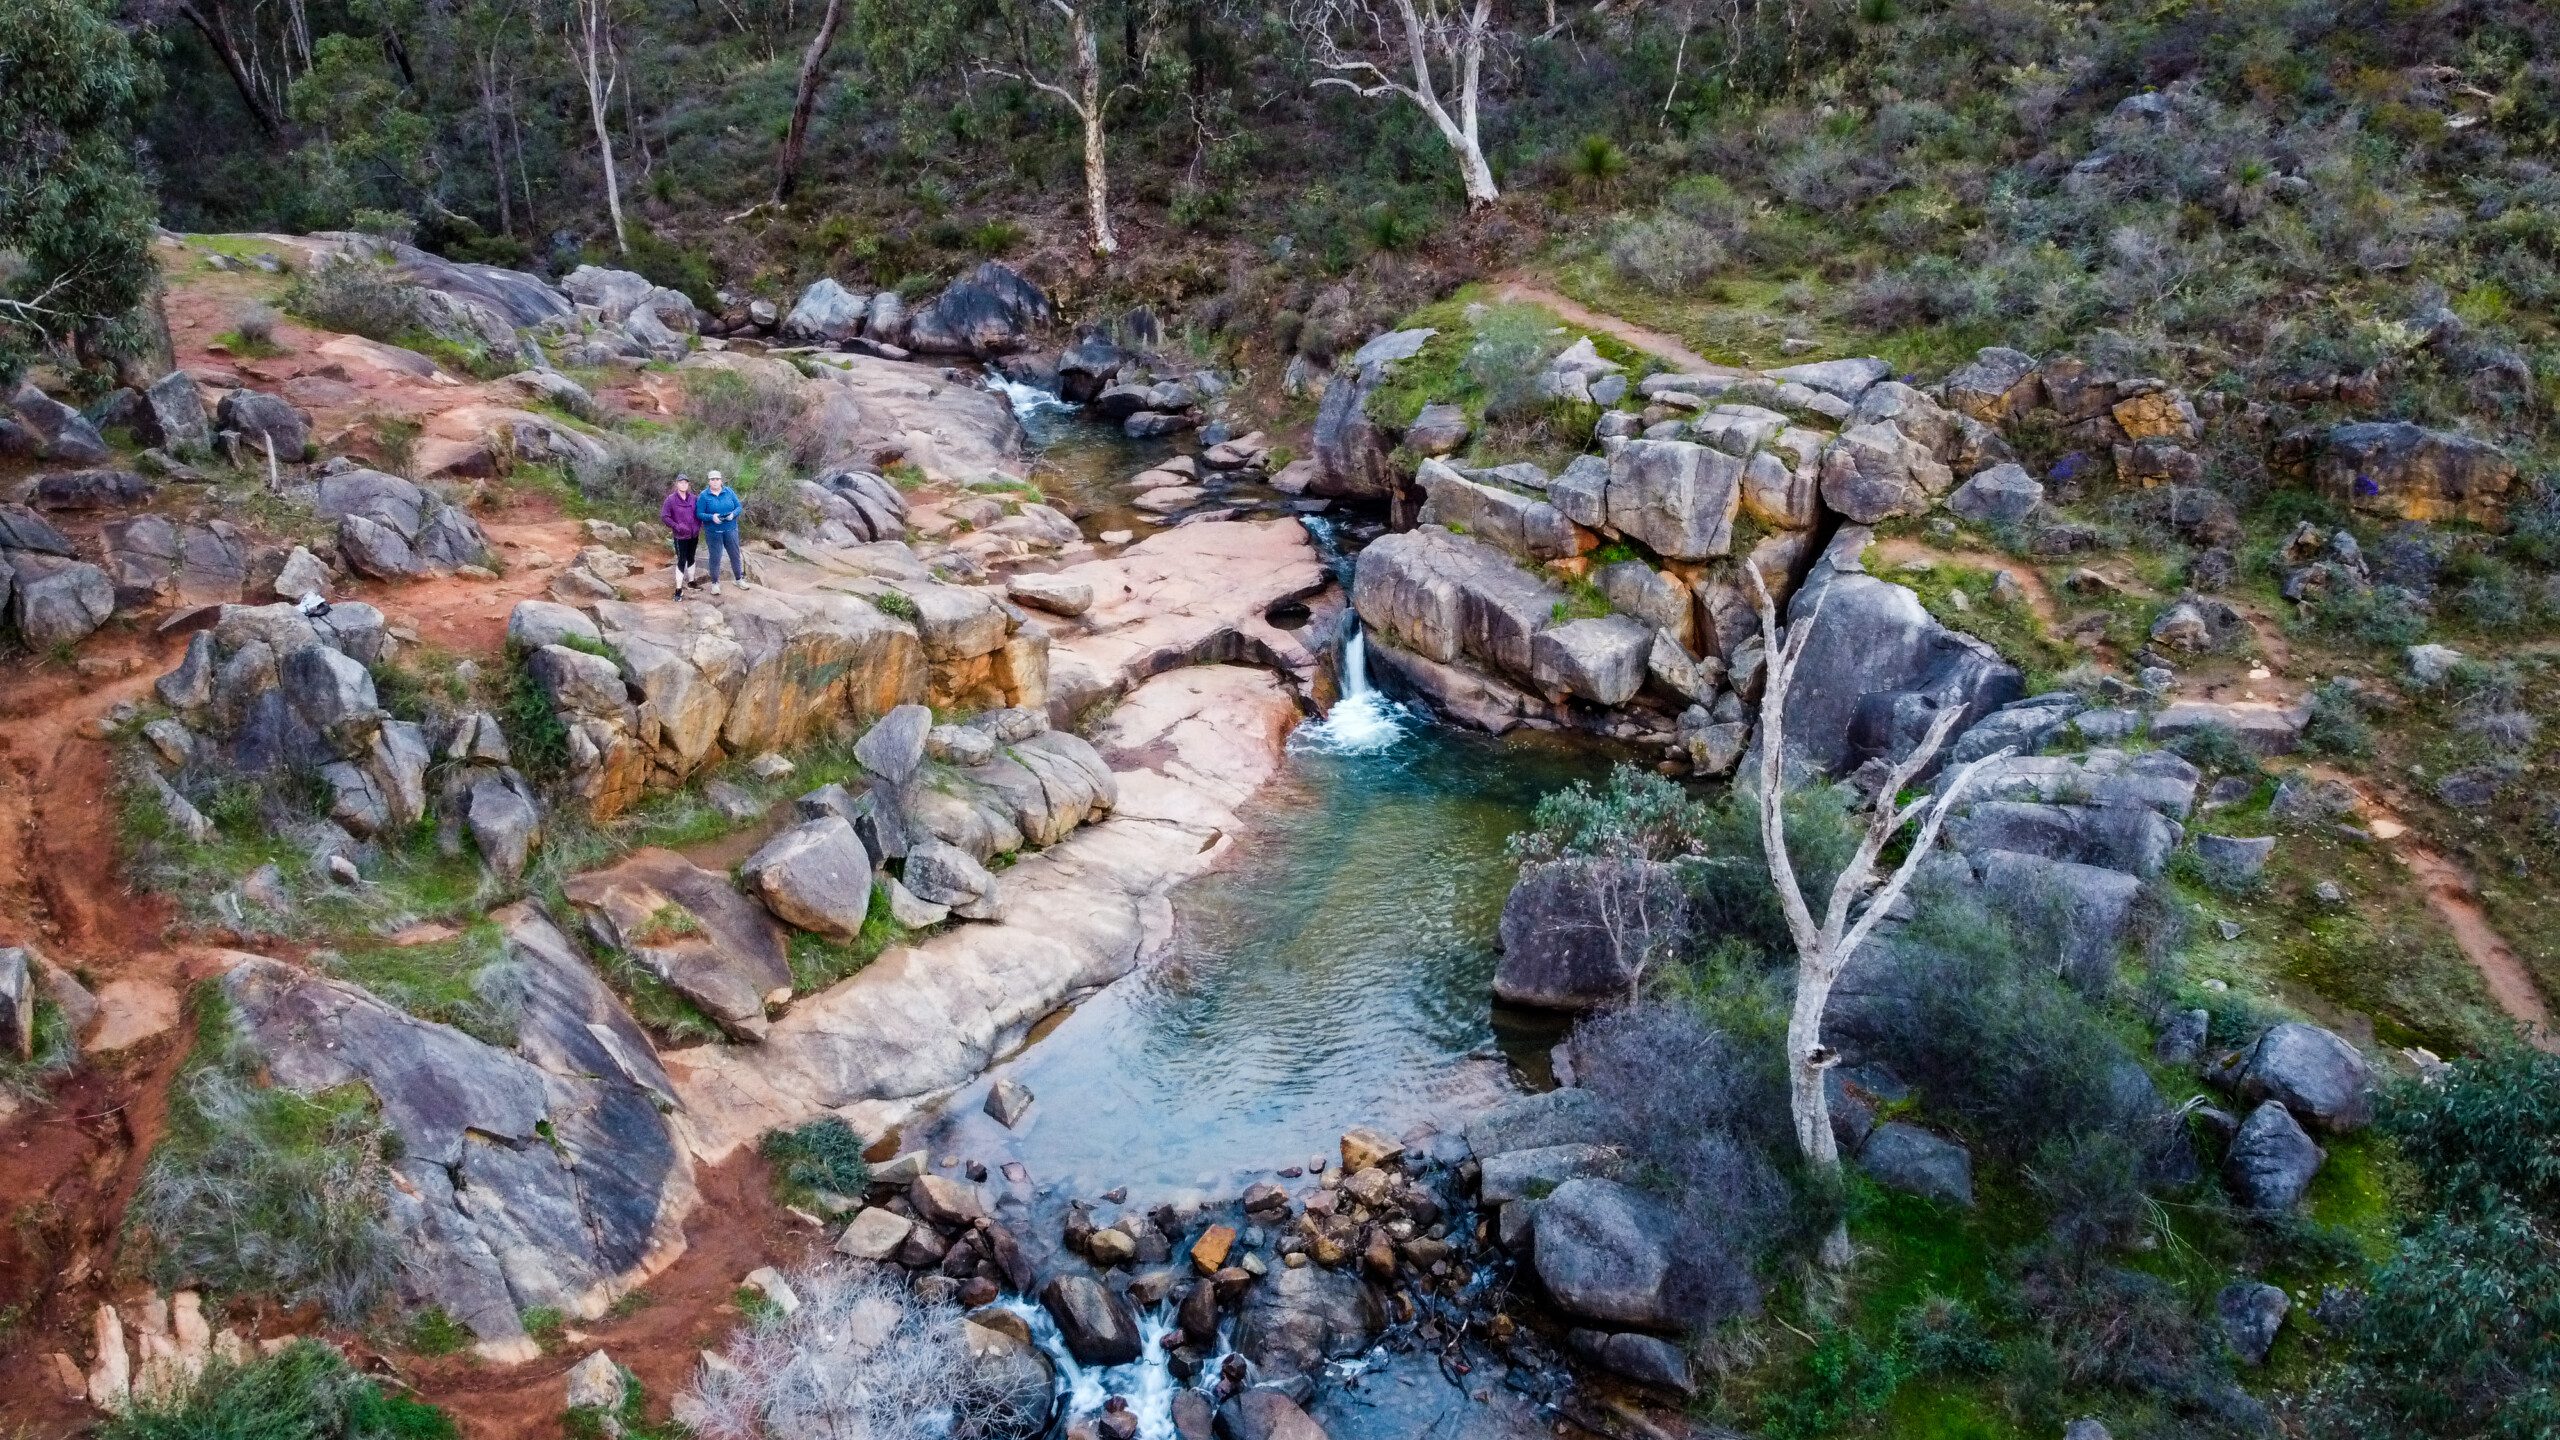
754	411
2453	1334
1986	1034
1666	254
357	297
1703	1116
1511	343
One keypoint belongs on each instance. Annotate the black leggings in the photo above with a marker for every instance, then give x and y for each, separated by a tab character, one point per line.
684	559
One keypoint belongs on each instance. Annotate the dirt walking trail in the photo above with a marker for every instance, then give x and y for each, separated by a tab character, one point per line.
1669	349
2450	894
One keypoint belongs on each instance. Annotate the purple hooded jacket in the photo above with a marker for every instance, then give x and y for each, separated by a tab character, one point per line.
677	515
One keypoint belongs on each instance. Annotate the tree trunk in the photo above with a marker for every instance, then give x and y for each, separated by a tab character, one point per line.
1479	175
238	69
786	168
592	21
1807	1059
1471	161
497	143
1097	177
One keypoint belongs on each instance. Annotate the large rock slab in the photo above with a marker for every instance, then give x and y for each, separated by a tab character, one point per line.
826	312
2078	915
1078	915
1677	498
863	412
1576	933
53	601
1097	1325
1601	659
2314	1073
2406	472
1350	448
548	1175
689	927
1873	472
1531	1122
1877	668
1297	1319
1266	1414
766	669
1525	525
1908	1158
1608	1252
1451	599
2264	726
60	433
816	876
265	421
2271	1160
990	311
1198	594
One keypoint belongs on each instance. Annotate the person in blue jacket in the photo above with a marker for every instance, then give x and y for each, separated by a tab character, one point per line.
717	507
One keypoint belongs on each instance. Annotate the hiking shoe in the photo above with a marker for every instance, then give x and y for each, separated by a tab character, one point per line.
715	587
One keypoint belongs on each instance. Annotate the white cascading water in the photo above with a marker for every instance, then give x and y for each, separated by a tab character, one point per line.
1027	400
1147	1383
1362	721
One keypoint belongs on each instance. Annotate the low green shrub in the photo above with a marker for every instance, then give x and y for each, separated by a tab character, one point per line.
824	1154
357	297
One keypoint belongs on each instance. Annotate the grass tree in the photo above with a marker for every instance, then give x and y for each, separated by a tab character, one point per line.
1407	47
1860	897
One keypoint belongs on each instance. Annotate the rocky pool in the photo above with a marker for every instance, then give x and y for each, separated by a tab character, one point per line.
1336	971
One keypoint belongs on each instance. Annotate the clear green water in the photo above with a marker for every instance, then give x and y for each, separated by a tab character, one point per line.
1337	971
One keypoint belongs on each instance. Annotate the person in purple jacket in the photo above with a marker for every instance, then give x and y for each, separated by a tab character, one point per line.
676	513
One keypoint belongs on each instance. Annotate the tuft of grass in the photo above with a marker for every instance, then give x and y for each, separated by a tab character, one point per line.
1582	601
818	962
2011	627
433	1332
306	1391
255	1190
825	1154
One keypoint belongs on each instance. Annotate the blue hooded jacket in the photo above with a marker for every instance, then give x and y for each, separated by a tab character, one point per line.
717	510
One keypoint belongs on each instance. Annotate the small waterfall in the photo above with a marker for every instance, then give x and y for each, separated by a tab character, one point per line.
1362	721
1147	1383
1027	400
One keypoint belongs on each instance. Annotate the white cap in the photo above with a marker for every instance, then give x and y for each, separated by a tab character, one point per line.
714	475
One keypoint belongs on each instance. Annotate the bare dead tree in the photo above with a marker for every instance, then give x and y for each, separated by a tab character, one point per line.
1405	47
1824	947
1086	99
786	169
599	70
1640	911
